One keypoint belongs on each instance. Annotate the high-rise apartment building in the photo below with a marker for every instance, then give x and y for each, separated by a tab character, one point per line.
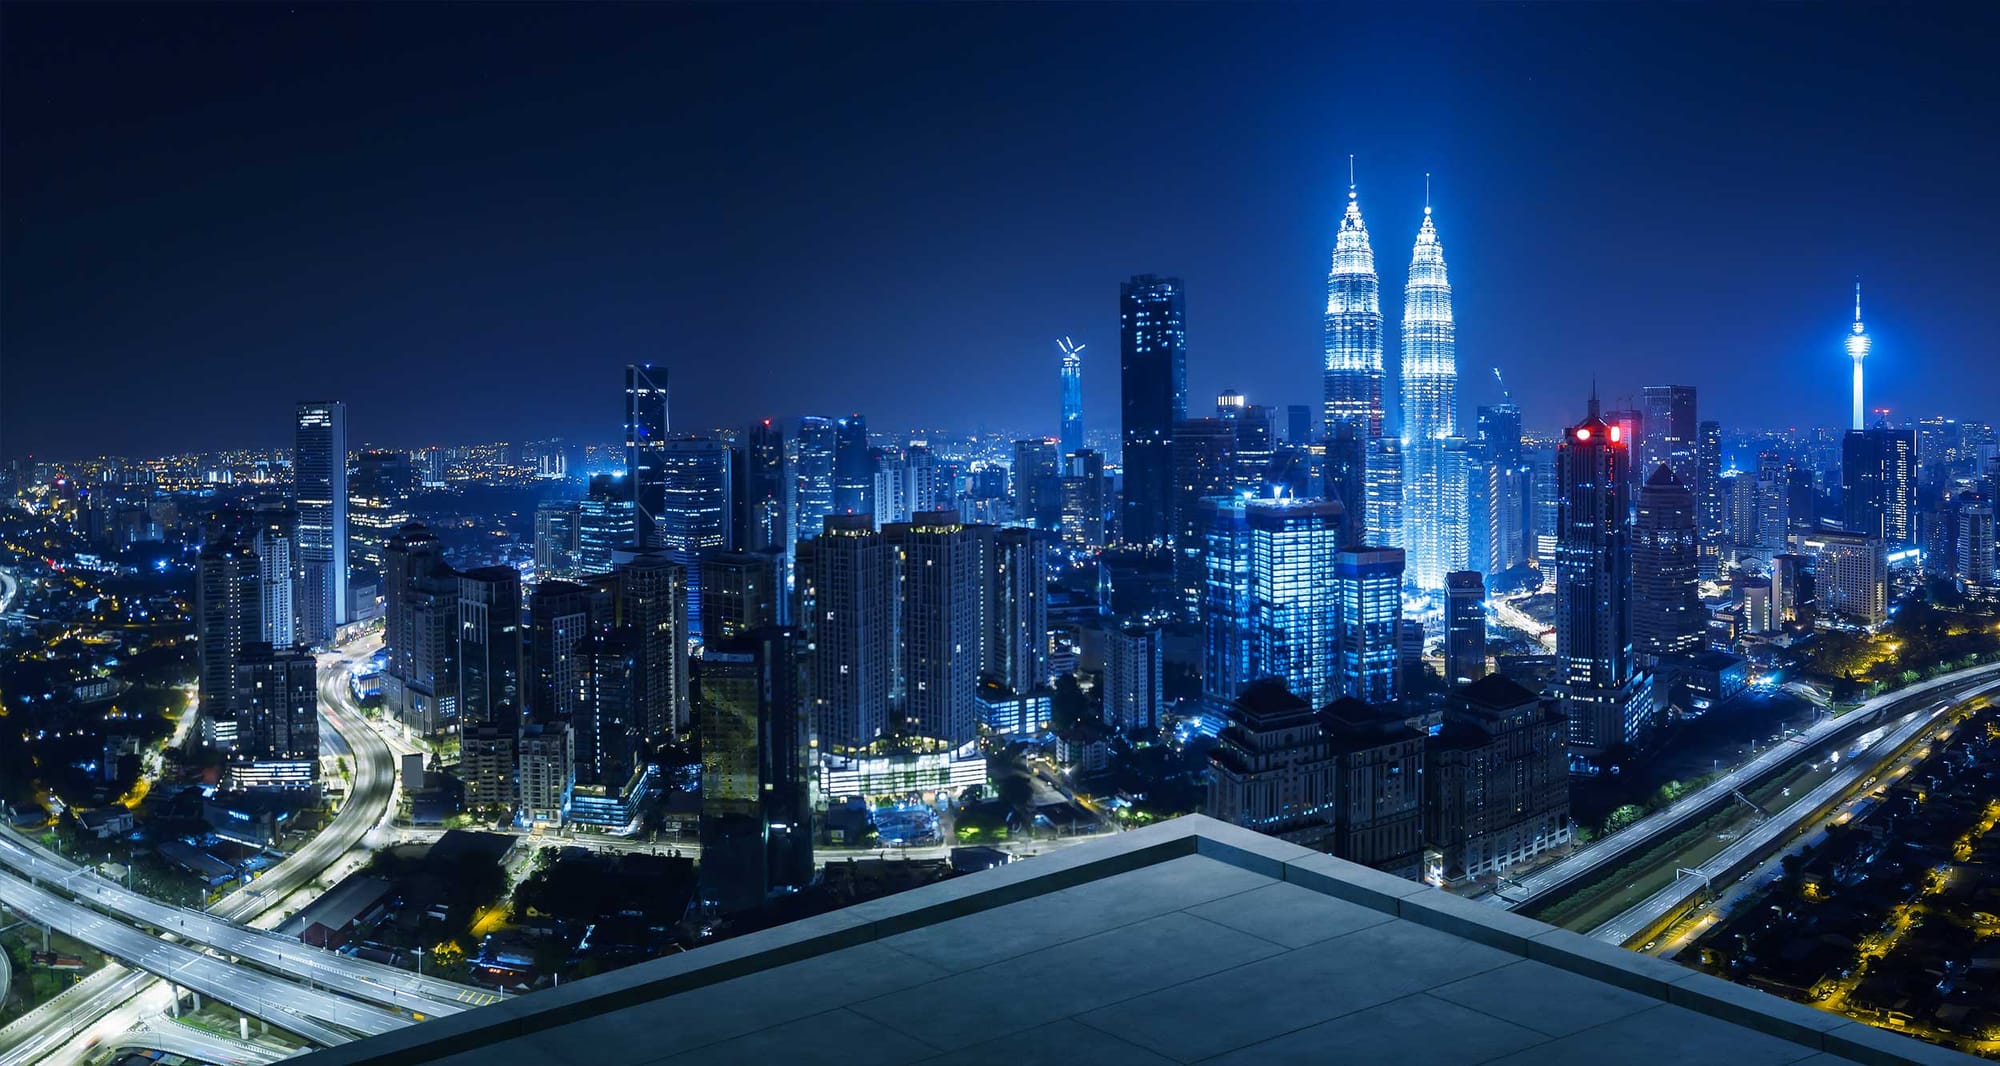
845	605
1134	666
547	772
653	602
1017	608
1434	486
1667	615
229	615
1464	627
1974	565
491	683
1152	314
271	539
558	541
277	713
646	429
609	724
559	622
420	632
1710	508
942	591
489	762
319	492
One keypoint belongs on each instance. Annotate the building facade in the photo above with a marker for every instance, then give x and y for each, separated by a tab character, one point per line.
1152	313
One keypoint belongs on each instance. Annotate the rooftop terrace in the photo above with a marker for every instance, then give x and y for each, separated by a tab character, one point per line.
1186	941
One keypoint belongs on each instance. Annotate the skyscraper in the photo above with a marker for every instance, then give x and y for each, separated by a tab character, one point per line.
756	812
645	441
420	632
1594	588
1016	641
557	541
767	489
1667	616
319	490
941	591
1850	575
1204	459
1974	565
1083	501
697	505
812	494
1857	350
1709	505
490	679
277	709
1672	436
853	467
1434	527
559	623
739	592
1072	395
1152	336
845	604
653	601
1038	484
1133	671
1270	606
271	539
608	726
1368	585
228	615
606	523
1353	330
1464	627
1878	481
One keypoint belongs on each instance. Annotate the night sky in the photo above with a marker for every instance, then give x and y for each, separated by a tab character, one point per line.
463	220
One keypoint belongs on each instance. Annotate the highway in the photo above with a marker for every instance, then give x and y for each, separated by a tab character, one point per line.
1810	744
366	808
322	1017
1649	912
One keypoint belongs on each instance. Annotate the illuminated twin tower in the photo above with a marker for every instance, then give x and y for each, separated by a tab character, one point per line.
1413	487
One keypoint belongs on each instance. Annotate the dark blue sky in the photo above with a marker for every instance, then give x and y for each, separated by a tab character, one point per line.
464	219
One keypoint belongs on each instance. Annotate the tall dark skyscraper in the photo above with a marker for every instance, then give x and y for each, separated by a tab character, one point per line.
1594	587
812	477
844	599
1152	351
942	593
1672	436
420	631
756	812
1072	395
559	625
228	611
645	441
1464	627
277	710
1204	461
653	603
1709	505
853	467
319	489
1038	472
490	680
767	490
1667	616
1878	482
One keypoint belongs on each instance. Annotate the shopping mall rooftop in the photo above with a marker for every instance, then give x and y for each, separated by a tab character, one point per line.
1187	941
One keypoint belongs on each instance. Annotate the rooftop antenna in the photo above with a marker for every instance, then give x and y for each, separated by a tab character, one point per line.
1350	175
1427	206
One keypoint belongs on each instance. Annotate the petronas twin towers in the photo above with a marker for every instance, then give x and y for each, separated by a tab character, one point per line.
1414	486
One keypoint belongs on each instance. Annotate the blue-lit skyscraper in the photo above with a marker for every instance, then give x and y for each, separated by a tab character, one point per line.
1353	330
1269	604
812	494
319	490
853	467
645	441
1434	526
1152	365
697	504
1368	591
1072	395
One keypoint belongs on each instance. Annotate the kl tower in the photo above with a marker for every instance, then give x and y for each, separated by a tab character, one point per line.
1857	349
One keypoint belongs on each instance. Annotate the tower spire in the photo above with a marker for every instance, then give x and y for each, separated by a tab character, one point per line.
1593	397
1857	305
1857	350
1427	211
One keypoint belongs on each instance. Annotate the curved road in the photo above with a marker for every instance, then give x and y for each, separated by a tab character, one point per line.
1646	913
1587	861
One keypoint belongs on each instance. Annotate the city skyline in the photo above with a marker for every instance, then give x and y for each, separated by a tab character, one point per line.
1509	190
